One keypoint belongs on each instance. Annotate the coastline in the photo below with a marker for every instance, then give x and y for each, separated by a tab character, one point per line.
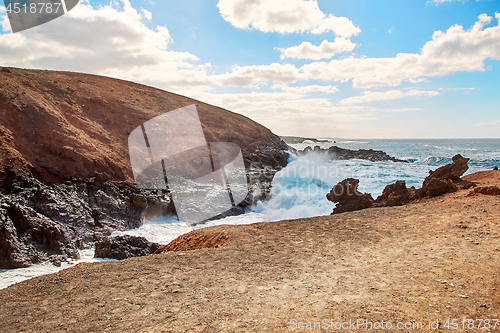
429	260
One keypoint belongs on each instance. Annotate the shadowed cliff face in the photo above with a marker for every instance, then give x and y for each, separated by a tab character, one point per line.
63	125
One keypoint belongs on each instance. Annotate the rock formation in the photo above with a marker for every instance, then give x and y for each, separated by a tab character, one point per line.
395	195
443	180
40	222
336	153
348	198
122	247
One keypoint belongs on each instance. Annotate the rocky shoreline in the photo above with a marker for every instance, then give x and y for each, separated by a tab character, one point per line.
337	153
431	259
41	222
445	179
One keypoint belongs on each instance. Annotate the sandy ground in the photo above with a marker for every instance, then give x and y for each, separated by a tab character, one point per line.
433	260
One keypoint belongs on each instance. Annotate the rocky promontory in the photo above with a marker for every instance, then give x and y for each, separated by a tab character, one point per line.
65	174
337	153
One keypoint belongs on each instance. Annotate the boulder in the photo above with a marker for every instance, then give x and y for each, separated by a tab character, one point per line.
394	195
487	190
124	246
436	186
348	198
445	179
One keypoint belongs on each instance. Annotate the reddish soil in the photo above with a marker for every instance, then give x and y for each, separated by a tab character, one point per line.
431	260
62	125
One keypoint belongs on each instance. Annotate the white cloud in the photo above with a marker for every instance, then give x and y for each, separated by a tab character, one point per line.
4	24
325	50
401	110
109	40
147	14
247	76
448	52
371	96
307	89
288	112
284	16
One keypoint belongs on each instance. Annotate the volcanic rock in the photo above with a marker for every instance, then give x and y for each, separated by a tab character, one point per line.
395	195
443	180
337	153
487	190
27	237
124	246
348	197
40	222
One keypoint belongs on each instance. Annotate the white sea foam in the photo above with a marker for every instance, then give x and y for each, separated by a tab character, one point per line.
11	276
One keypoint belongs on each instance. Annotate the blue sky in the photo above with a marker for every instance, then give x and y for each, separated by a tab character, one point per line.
347	69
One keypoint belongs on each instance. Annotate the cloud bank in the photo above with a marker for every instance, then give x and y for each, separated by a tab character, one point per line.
284	16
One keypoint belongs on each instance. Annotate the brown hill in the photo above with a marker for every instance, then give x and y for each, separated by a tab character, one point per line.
61	125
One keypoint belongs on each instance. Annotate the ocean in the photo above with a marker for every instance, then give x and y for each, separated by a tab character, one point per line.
300	189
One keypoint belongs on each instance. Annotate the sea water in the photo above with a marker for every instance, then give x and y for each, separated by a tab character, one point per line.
300	189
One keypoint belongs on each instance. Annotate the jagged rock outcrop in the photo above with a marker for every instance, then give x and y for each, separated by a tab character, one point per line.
336	153
348	198
124	246
40	222
396	194
28	237
443	180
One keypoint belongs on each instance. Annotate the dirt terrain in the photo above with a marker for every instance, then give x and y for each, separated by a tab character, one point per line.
431	260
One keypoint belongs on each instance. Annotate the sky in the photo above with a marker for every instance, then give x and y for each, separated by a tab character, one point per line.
357	69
